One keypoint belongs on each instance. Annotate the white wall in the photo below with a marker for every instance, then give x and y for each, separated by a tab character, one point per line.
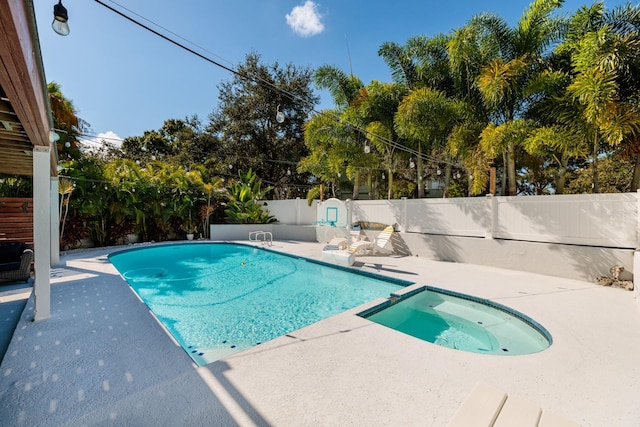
576	236
295	211
591	219
610	220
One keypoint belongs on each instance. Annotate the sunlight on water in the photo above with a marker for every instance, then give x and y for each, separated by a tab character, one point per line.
218	299
461	324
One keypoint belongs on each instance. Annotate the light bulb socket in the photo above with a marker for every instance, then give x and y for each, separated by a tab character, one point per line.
60	12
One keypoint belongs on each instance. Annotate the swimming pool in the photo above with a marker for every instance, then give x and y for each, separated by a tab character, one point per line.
461	322
217	299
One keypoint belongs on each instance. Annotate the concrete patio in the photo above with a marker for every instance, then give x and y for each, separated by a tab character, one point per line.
102	359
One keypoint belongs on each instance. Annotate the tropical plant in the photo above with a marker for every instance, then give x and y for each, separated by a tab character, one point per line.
373	112
244	196
207	209
426	117
603	49
504	82
65	188
328	132
16	186
66	122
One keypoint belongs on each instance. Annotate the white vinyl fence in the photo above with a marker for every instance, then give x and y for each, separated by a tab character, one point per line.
292	212
608	220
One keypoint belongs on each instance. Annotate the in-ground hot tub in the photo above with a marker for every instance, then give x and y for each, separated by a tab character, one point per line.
461	322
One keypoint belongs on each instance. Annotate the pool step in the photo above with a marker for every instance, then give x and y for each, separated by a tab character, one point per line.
488	407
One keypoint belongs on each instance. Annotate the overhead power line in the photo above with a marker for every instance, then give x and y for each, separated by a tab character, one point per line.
256	79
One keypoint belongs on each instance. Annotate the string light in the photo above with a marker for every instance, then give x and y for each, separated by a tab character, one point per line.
279	115
60	18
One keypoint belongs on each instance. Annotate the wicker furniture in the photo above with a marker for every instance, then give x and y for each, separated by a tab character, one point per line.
15	261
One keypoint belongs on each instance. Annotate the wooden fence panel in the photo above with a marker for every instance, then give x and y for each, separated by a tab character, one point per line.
16	220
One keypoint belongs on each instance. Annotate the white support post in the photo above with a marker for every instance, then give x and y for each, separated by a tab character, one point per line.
55	222
42	231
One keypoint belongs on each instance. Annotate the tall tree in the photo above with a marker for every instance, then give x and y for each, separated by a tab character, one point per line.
426	117
421	62
374	113
504	82
344	89
66	121
470	49
604	56
247	125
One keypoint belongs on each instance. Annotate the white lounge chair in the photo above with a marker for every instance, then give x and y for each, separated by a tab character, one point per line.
363	247
338	243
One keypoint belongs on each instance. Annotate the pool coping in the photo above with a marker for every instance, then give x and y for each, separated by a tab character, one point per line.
343	370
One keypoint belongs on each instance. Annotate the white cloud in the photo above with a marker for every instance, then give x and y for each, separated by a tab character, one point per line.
305	20
102	139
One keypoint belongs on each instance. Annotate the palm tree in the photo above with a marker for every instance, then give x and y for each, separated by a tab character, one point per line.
374	113
561	132
603	48
323	137
426	117
66	121
344	89
421	62
503	83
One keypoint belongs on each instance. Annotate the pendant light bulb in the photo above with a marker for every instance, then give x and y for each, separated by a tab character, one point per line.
279	115
60	18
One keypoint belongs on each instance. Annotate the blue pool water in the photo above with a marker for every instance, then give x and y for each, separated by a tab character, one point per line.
462	322
218	299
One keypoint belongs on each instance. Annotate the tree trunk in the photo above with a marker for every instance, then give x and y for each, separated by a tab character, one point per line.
511	171
594	165
635	184
419	171
390	184
447	181
355	195
562	174
503	183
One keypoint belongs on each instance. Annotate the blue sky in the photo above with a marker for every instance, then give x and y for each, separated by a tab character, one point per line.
124	80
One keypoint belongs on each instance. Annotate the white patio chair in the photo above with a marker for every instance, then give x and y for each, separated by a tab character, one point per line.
363	247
